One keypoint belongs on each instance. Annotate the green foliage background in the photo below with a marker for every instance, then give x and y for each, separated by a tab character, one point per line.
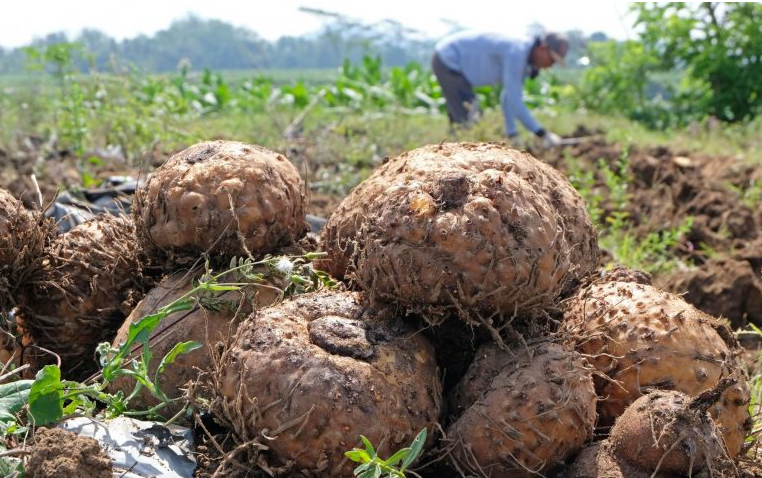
712	50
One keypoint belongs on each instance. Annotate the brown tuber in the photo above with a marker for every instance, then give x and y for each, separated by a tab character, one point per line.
531	410
211	321
474	227
663	434
93	278
641	338
310	375
668	432
23	236
221	197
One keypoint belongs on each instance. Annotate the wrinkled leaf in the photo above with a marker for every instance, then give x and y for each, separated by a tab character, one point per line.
45	396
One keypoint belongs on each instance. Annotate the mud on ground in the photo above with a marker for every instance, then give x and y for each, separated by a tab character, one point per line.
723	247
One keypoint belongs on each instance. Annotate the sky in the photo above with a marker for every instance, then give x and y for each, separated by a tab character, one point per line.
21	21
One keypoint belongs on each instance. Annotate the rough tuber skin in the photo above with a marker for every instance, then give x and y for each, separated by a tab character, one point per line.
531	416
210	322
23	236
475	227
222	197
666	431
93	278
310	375
597	460
641	338
663	434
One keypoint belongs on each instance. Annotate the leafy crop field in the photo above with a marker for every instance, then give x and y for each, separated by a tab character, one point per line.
358	352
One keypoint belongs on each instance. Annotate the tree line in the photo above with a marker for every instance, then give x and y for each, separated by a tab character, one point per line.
218	45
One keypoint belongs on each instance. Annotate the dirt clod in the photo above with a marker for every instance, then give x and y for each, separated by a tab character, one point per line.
59	453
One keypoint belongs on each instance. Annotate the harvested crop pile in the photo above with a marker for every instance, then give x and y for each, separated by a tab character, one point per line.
93	278
526	411
663	433
641	337
22	240
222	197
211	321
60	453
308	376
473	227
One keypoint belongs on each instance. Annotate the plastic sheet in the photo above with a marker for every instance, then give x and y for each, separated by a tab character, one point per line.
140	449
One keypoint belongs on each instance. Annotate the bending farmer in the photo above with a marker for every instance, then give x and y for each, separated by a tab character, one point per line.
467	59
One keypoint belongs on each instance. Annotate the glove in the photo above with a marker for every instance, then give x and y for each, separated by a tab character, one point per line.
551	140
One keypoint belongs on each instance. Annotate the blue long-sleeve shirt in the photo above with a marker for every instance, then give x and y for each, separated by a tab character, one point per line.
493	59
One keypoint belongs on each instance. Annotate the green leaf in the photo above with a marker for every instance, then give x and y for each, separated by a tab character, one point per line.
359	456
400	455
45	396
368	446
315	255
415	449
10	466
89	181
177	350
140	332
13	397
373	472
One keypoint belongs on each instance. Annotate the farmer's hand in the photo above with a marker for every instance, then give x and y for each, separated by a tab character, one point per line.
551	140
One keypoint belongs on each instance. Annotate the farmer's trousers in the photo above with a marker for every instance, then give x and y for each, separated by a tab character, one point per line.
462	105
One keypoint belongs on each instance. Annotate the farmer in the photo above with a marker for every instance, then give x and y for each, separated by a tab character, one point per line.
467	59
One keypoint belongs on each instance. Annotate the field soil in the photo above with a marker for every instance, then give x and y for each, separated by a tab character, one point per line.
722	253
58	452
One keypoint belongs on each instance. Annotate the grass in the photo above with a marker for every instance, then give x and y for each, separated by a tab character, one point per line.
396	132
